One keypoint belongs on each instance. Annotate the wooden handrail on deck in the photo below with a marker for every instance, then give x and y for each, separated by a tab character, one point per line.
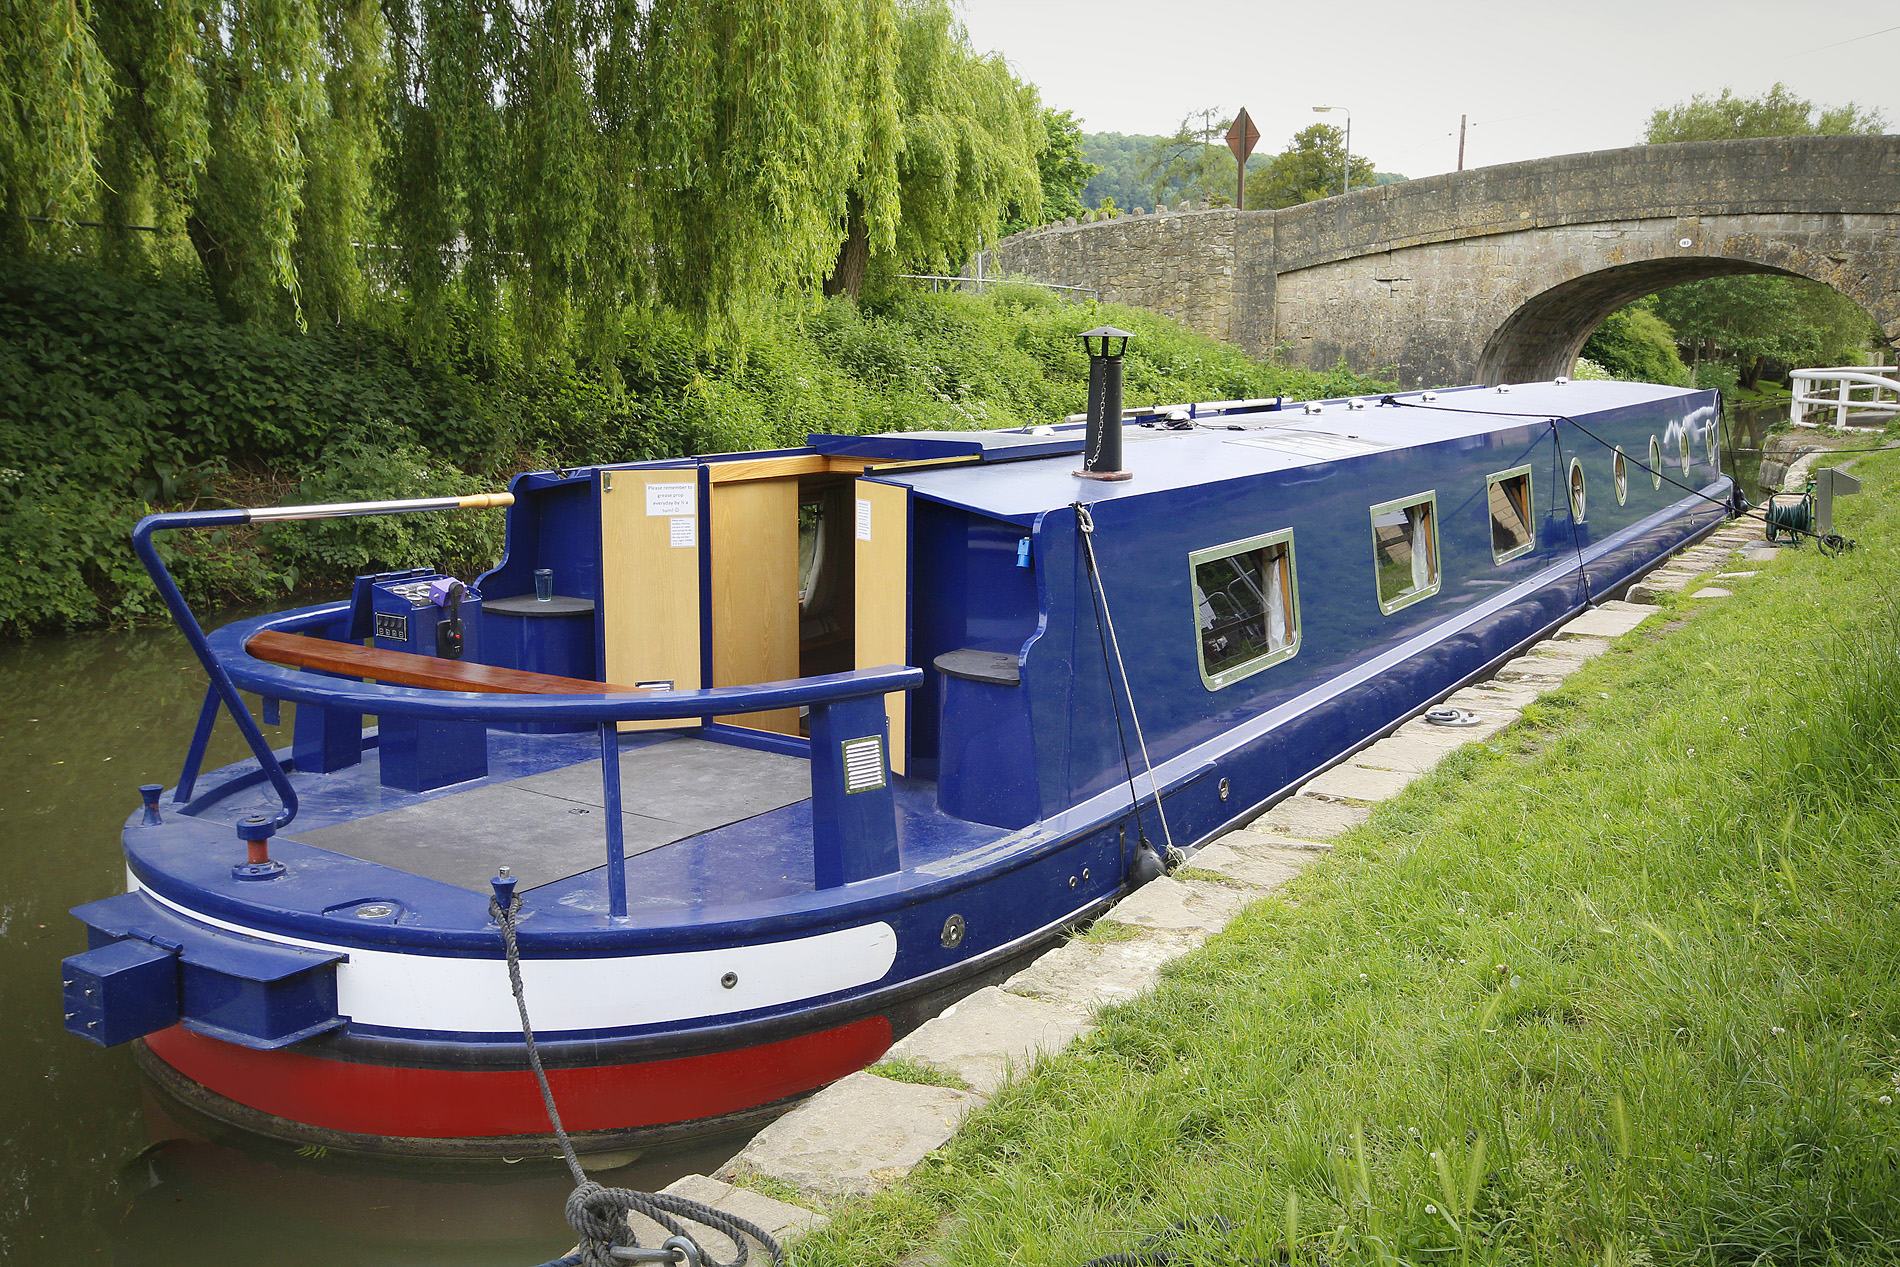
402	668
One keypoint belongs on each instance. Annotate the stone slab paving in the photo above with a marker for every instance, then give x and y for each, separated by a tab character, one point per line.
1401	752
786	1222
1734	576
1609	620
859	1134
1358	783
1177	906
1713	591
1261	867
1310	818
1094	974
993	1033
1252	837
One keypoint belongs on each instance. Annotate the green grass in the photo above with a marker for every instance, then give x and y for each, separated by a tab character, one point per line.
1616	987
903	1070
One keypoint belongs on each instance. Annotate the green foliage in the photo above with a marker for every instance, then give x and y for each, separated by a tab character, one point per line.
1633	343
355	467
1194	162
1749	320
117	397
972	137
1777	112
1064	171
1310	167
54	85
1119	160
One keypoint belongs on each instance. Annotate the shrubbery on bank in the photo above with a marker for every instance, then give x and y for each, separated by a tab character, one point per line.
118	398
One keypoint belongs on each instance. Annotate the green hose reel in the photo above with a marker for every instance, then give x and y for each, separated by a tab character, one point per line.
1792	518
1812	513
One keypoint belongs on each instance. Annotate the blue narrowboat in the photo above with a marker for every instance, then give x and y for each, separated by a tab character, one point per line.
779	752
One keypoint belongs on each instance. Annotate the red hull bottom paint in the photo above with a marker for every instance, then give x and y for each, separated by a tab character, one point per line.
471	1103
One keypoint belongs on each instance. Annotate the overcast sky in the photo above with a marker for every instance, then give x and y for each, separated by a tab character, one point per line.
1535	78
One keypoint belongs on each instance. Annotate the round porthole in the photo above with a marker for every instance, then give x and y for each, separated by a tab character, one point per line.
1682	445
1655	462
1577	506
1619	470
1714	437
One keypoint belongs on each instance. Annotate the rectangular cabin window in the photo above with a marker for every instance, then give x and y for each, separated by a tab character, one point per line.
1510	513
1405	550
1246	606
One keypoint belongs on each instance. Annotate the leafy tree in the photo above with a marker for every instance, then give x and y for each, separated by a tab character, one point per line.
1634	343
1119	158
1749	321
1308	169
1194	162
535	164
1064	171
1777	112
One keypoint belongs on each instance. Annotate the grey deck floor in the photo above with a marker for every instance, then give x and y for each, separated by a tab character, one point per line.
550	826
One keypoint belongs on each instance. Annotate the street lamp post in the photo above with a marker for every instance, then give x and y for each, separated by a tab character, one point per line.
1345	167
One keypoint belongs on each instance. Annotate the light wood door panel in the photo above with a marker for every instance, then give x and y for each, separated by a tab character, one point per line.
650	580
755	591
883	566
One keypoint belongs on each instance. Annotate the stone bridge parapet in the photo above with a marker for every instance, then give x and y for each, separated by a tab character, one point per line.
1497	274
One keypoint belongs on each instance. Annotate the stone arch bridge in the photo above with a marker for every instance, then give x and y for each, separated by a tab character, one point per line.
1498	274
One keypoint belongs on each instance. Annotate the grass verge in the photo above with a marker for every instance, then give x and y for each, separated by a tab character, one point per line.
1616	987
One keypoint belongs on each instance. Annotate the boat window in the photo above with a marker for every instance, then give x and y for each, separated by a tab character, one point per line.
1405	550
1510	513
1714	437
1682	443
1655	462
1619	471
1577	504
1246	606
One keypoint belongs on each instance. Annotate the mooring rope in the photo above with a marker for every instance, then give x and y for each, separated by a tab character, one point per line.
598	1214
1086	522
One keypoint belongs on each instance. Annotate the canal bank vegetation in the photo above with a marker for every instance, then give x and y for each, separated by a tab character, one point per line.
119	397
1614	987
394	250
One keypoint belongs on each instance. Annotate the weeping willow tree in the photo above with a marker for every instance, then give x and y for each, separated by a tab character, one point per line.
971	136
522	169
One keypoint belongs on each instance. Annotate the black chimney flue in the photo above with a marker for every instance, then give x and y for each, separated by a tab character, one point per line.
1102	449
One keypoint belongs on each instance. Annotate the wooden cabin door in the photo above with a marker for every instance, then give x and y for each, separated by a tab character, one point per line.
883	593
754	530
649	553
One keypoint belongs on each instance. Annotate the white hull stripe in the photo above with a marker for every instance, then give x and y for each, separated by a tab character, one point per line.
447	994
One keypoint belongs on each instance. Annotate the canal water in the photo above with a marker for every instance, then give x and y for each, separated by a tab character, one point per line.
96	1167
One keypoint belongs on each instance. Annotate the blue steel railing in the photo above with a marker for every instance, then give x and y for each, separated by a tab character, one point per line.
849	841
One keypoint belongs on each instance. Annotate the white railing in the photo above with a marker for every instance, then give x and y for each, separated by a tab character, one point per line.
1851	391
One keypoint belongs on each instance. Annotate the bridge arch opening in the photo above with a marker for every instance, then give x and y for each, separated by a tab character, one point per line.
1543	337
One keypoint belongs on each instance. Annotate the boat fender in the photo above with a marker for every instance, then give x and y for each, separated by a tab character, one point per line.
1146	865
447	594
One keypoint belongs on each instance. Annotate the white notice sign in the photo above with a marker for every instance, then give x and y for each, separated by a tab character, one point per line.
864	519
682	532
670	499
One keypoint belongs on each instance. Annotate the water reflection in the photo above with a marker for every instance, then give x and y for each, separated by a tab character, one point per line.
190	1199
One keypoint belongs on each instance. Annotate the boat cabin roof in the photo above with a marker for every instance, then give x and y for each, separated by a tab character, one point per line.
1021	473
